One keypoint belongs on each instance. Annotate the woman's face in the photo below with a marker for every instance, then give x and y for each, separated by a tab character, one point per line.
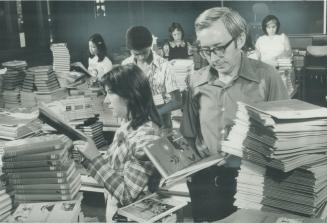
271	27
177	35
93	49
117	103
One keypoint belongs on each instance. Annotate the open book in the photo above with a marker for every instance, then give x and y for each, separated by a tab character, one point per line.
175	159
49	117
151	208
79	67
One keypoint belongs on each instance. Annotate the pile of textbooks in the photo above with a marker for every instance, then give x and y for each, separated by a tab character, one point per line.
61	57
15	74
94	131
40	168
11	98
283	147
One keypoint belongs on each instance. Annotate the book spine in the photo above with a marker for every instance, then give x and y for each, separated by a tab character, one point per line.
51	156
37	175
24	181
28	164
36	148
31	169
43	191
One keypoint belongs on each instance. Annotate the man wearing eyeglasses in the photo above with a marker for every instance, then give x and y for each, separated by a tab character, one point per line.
211	105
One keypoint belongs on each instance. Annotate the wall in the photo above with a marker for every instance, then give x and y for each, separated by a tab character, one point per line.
75	21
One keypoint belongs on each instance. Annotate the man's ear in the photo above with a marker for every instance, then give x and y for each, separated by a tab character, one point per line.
241	40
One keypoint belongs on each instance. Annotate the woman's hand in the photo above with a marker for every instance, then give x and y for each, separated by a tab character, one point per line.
87	148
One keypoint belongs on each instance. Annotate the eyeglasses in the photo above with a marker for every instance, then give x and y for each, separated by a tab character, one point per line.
218	50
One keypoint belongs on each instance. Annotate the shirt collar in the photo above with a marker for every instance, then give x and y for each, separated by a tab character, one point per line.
247	69
155	60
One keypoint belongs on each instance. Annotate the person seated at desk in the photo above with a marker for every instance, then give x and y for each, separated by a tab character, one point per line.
98	62
177	47
157	70
125	170
272	45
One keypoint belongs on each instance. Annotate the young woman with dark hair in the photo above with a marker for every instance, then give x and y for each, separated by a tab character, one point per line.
177	47
99	63
125	170
272	45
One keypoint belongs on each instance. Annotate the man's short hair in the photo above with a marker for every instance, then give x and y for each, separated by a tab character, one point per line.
138	38
233	21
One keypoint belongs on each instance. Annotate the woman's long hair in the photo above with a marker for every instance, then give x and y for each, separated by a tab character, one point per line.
98	41
129	82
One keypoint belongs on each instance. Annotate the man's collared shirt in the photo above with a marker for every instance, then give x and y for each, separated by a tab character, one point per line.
161	78
211	105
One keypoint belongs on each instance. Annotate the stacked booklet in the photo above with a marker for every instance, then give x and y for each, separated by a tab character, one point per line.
302	191
283	147
40	169
15	74
283	134
61	57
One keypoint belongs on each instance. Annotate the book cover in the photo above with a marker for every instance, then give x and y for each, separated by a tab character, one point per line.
47	116
175	159
151	208
37	144
51	155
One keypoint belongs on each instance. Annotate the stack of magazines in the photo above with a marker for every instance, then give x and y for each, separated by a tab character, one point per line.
6	198
284	134
15	74
61	57
283	146
39	168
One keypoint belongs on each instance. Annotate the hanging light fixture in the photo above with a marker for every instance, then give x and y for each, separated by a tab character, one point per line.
100	8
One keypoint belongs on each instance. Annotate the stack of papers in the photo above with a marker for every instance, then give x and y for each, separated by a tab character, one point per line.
181	69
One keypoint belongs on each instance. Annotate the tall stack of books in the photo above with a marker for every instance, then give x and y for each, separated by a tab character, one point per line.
94	131
27	96
11	98
6	198
40	169
15	74
285	69
61	57
181	69
288	138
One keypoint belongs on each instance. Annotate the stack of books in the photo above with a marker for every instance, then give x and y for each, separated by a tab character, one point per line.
181	69
283	147
61	57
11	98
284	134
95	132
27	96
15	74
6	198
285	69
52	212
12	128
40	169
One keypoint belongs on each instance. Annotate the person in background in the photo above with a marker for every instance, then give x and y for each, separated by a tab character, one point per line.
177	47
272	45
99	63
157	70
125	170
211	105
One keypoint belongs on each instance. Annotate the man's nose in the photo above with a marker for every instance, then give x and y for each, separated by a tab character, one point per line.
106	100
